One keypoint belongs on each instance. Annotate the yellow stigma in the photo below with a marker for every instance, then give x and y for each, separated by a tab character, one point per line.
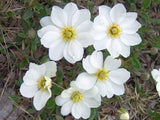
44	83
102	74
76	96
114	30
68	33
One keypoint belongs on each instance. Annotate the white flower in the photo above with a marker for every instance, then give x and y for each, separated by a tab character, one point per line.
115	30
107	76
156	76
66	32
78	101
37	83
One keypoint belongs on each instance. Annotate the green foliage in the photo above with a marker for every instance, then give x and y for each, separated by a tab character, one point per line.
93	115
14	98
59	117
32	111
146	4
28	14
56	90
51	104
21	35
155	115
59	78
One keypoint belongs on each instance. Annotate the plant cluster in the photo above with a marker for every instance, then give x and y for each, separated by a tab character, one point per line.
66	33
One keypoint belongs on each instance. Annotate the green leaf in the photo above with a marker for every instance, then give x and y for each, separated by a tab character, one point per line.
93	114
56	90
14	98
135	63
133	6
60	75
51	104
146	4
22	35
37	5
59	117
144	18
28	14
31	111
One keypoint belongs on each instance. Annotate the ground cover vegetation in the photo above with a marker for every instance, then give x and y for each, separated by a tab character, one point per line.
20	45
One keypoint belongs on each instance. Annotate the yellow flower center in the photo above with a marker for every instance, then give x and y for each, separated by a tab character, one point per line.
102	74
44	83
76	96
68	33
114	30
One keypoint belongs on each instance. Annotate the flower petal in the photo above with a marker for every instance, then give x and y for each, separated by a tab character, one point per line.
96	59
131	28
32	76
47	29
131	39
75	50
101	44
85	81
105	11
60	100
102	88
99	34
91	92
117	12
80	16
125	50
77	110
51	69
100	27
70	10
86	111
92	103
58	16
56	51
119	76
40	99
158	88
66	54
110	89
110	48
86	26
156	74
111	64
88	66
67	93
37	68
45	21
128	18
117	89
121	48
66	108
85	39
50	38
28	90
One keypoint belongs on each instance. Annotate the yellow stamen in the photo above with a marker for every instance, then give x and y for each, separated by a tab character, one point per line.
102	74
76	96
44	83
68	33
114	30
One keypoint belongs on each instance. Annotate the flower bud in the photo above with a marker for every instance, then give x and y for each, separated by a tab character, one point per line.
31	33
145	76
154	50
123	114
